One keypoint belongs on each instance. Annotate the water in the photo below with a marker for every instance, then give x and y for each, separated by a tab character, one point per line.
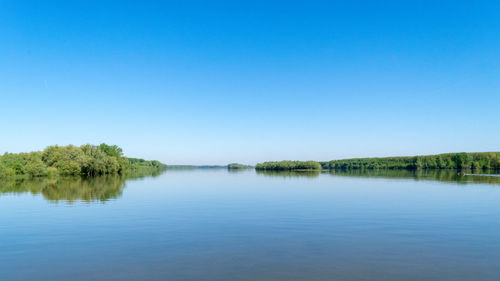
217	225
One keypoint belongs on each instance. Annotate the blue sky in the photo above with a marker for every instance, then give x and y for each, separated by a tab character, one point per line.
213	82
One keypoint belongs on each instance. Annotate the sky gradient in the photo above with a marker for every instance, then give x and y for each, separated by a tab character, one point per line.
193	82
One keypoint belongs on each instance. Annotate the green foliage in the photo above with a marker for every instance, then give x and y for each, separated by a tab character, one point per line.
16	163
476	161
290	174
141	165
5	172
52	172
68	160
88	160
288	166
98	162
36	168
111	150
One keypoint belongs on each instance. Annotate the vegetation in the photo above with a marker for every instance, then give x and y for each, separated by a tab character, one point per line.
290	174
461	161
476	161
86	160
288	166
236	166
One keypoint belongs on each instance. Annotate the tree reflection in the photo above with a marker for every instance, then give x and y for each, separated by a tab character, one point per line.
432	175
418	175
72	189
289	174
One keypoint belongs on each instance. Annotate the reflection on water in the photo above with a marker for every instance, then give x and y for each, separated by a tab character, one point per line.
68	189
211	224
289	174
104	188
432	175
71	189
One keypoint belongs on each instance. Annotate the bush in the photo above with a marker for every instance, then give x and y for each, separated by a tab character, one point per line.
288	166
6	172
36	168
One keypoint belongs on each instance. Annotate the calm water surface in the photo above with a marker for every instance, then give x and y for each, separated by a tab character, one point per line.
220	225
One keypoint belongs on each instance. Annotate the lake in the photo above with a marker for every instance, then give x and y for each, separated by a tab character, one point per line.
214	224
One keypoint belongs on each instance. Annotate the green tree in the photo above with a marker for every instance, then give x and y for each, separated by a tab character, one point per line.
36	168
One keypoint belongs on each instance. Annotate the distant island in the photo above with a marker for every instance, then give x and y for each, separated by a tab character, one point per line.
86	160
460	161
237	166
288	166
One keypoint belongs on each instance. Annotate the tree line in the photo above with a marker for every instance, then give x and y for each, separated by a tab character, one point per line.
288	166
85	160
476	161
461	161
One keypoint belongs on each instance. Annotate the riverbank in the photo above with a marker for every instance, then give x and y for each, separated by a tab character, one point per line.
461	161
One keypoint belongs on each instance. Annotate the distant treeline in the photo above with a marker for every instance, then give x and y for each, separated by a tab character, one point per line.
236	166
288	166
87	160
476	161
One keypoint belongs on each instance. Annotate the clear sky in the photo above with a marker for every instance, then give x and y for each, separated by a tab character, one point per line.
213	82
